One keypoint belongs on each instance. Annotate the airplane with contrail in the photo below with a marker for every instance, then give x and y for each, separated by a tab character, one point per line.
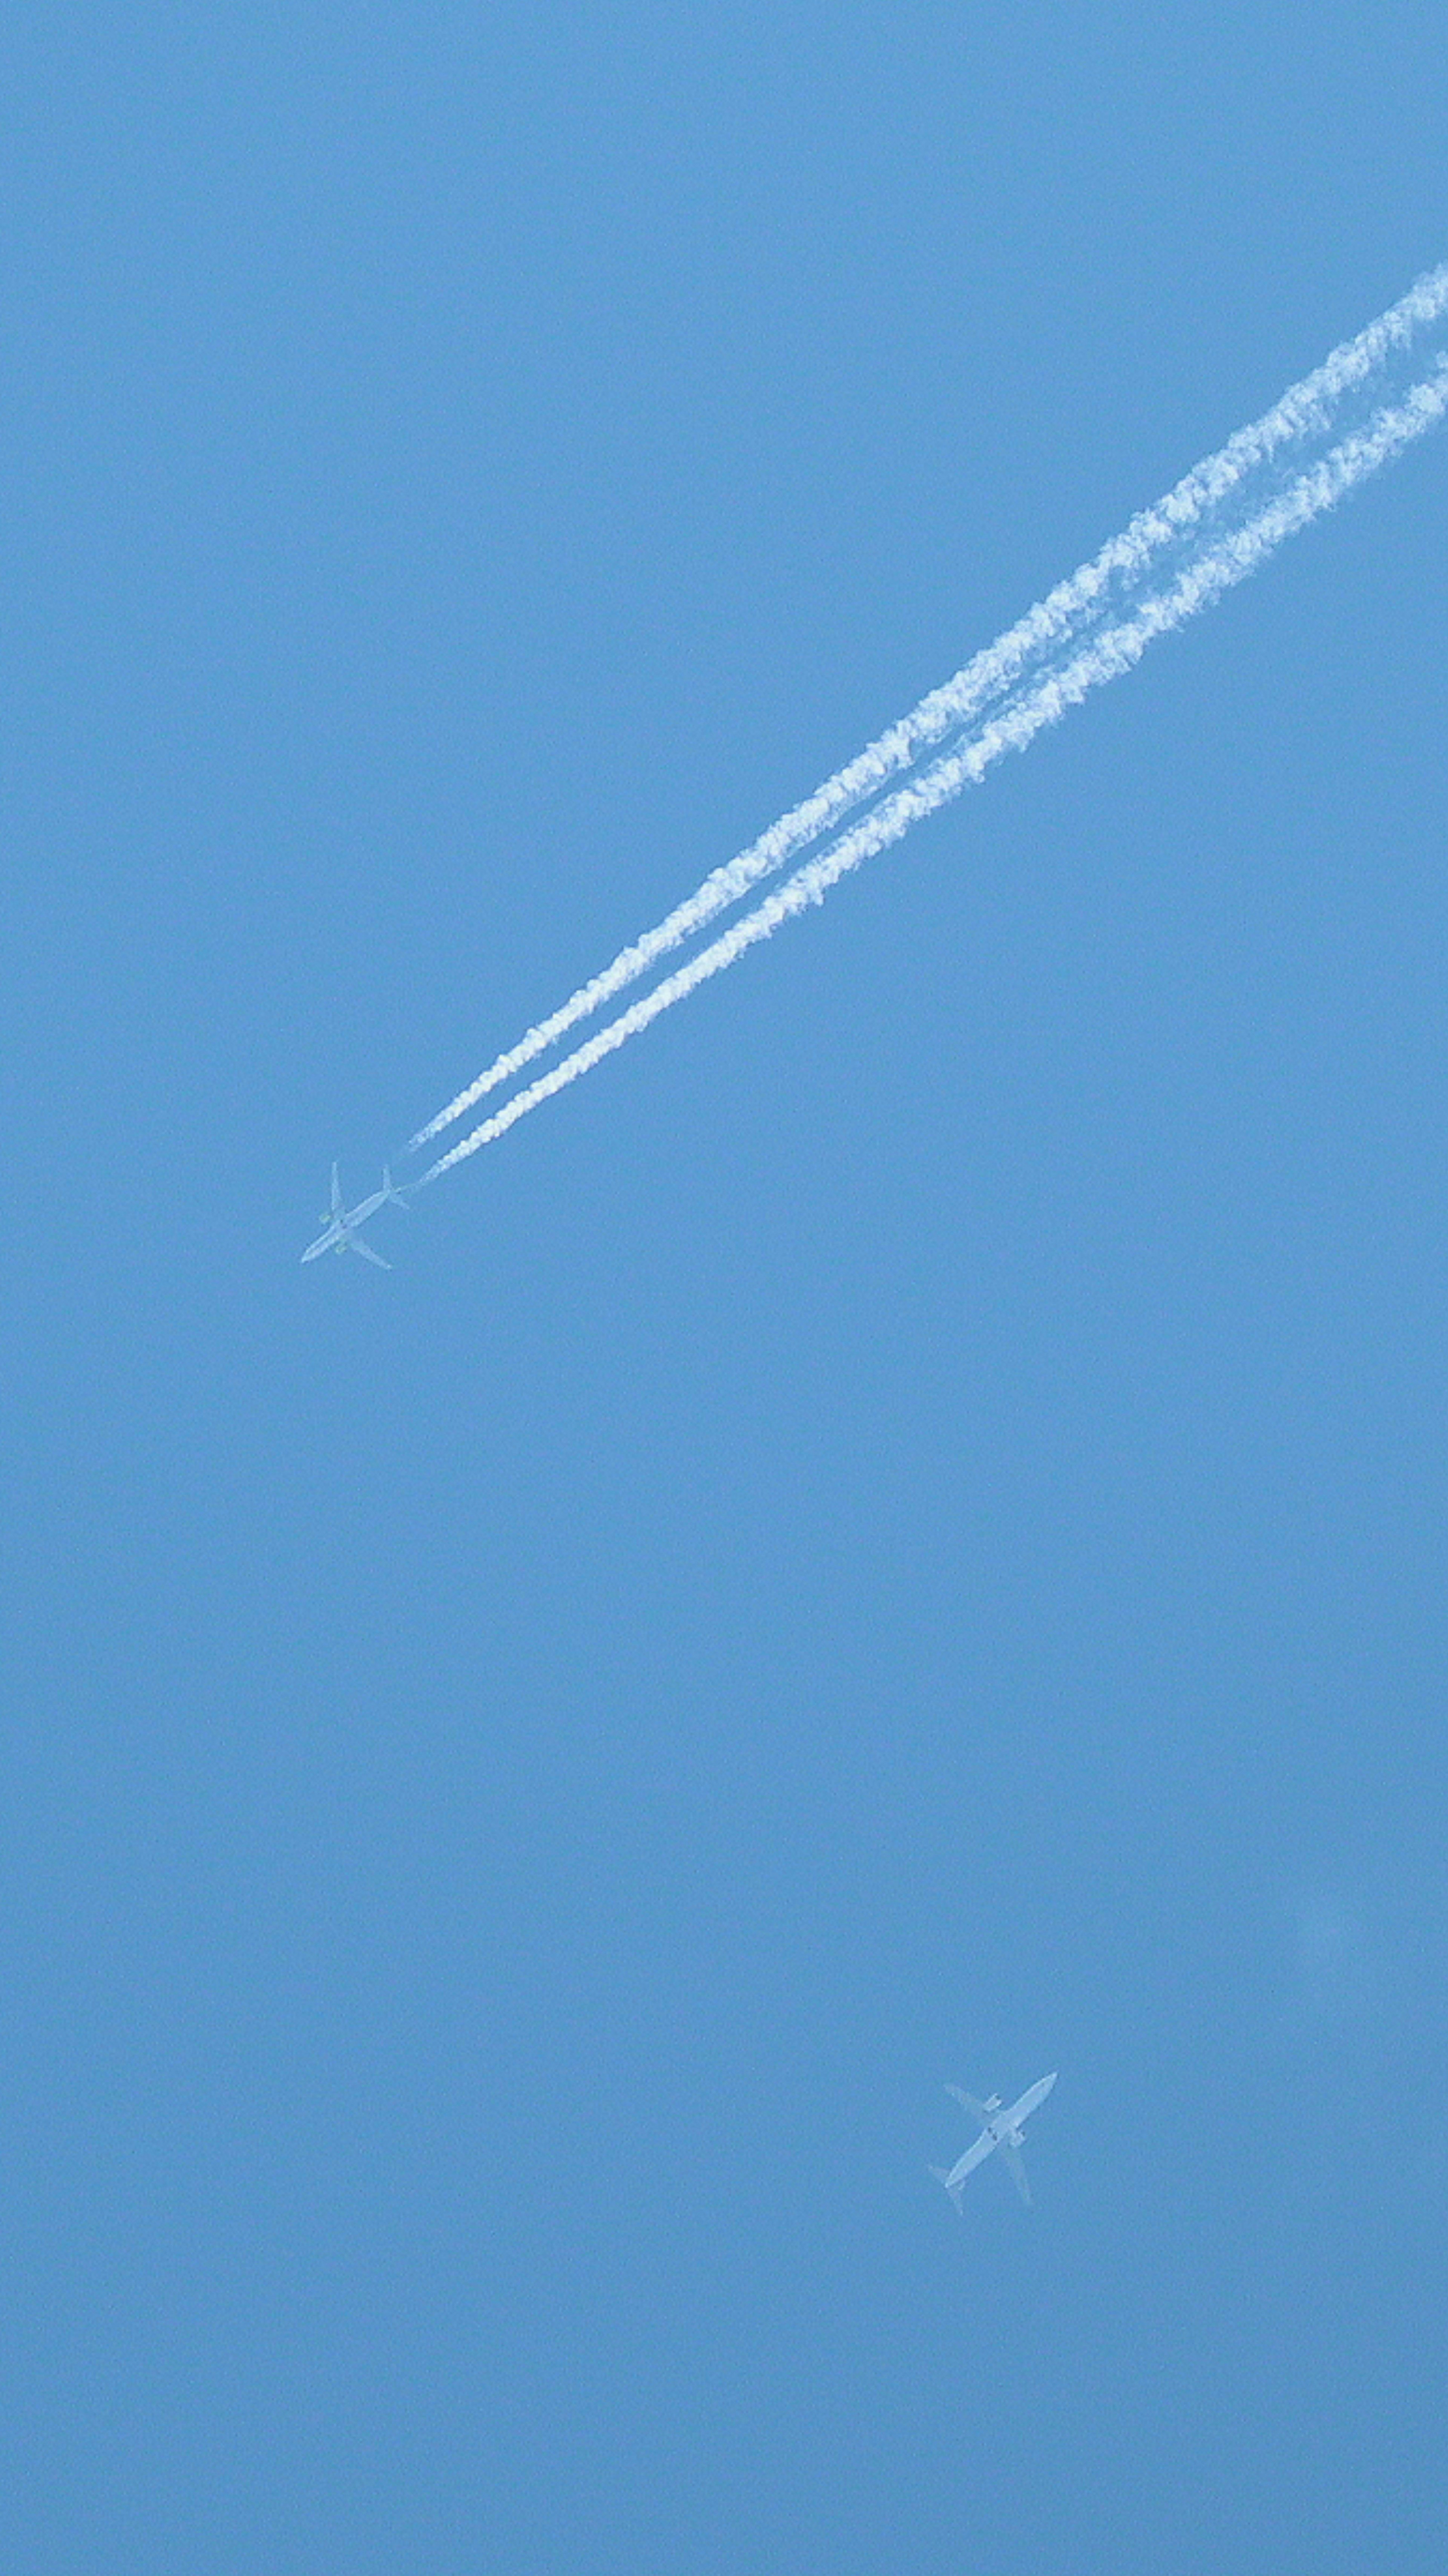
340	1223
1326	435
1256	462
1227	557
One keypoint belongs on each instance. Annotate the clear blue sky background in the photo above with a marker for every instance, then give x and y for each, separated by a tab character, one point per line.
897	1534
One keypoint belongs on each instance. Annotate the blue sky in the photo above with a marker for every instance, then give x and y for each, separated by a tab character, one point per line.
893	1536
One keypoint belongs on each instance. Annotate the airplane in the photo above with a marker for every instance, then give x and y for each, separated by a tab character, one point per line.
340	1223
999	2128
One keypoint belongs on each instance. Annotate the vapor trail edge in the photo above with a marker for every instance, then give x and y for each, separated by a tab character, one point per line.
1118	648
1306	410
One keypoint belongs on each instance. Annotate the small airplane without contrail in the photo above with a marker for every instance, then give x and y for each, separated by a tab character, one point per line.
999	2128
340	1223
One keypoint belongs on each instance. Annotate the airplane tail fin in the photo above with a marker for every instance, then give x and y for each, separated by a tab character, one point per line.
390	1189
953	2188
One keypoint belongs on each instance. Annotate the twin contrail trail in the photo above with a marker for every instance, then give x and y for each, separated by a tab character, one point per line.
1208	533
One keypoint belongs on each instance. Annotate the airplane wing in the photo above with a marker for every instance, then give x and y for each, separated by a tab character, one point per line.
336	1193
1016	2166
969	2103
356	1244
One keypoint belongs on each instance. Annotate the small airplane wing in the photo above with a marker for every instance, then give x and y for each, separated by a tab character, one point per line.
1016	2166
969	2103
356	1244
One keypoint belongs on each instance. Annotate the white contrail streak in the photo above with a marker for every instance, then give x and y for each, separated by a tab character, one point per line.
1307	410
1109	653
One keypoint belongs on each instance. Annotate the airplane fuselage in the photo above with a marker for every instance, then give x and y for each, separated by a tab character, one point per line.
334	1239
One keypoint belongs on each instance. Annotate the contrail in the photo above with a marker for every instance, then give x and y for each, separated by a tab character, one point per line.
1118	648
1092	594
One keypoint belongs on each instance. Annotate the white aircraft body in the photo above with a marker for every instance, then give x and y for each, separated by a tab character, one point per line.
340	1223
999	2128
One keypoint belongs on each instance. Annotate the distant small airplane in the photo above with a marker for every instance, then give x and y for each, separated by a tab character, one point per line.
998	2129
340	1223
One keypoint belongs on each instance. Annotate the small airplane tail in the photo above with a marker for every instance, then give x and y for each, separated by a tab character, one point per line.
953	2188
390	1189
